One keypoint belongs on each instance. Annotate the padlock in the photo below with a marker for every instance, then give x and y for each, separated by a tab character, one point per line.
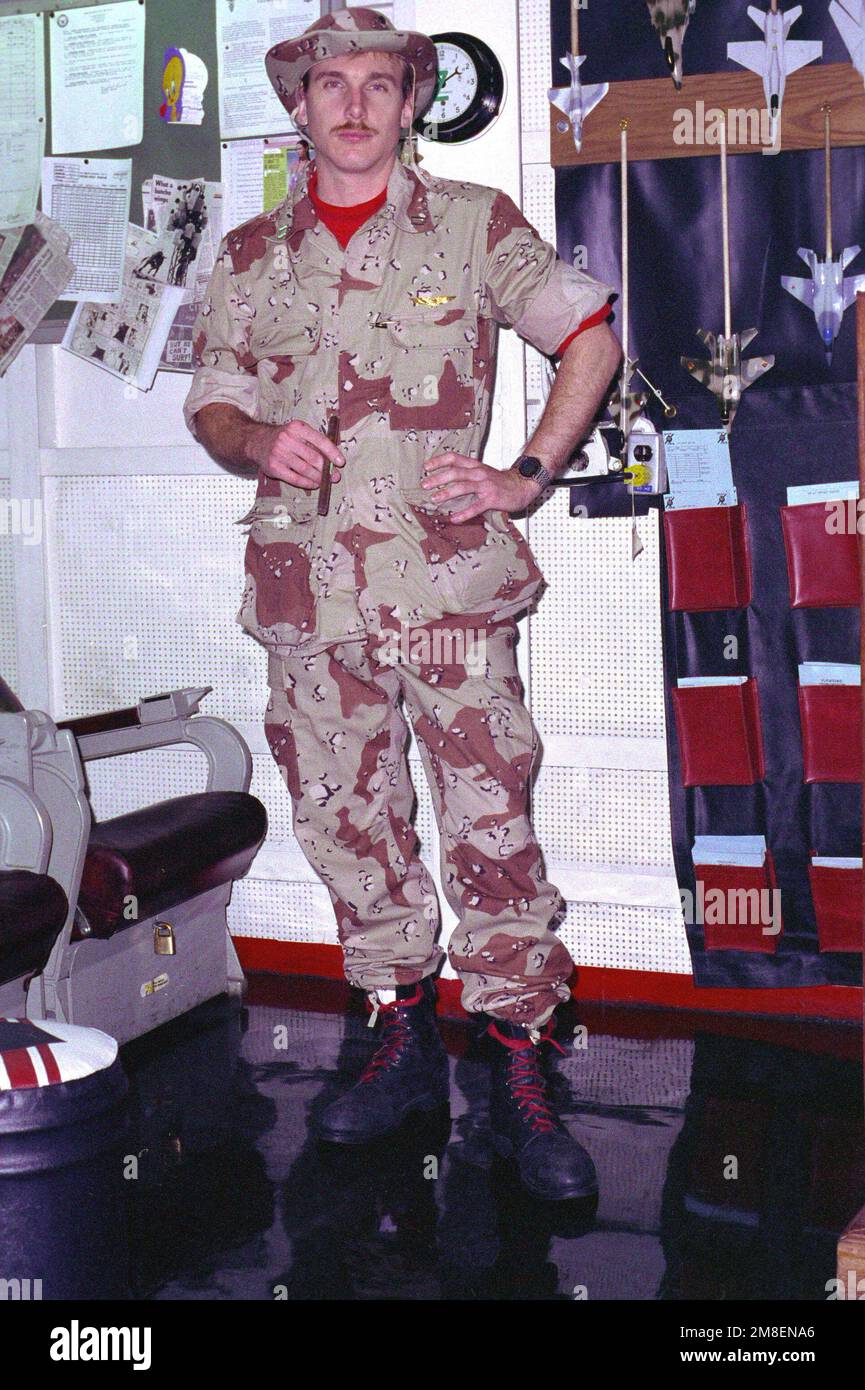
163	939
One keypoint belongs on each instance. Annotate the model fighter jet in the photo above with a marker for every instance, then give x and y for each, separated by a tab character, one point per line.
670	18
829	292
576	101
774	56
726	373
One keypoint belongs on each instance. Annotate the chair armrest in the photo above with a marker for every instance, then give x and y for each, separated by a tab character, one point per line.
153	709
101	723
161	720
26	835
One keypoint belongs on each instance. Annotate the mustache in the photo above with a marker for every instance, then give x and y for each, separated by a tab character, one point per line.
355	130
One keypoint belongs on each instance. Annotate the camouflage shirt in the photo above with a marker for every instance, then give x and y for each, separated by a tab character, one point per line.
397	335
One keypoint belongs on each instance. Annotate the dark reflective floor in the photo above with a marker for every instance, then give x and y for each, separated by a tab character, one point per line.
729	1153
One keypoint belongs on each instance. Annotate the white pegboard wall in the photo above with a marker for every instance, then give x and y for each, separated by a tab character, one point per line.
620	936
572	820
539	199
144	581
596	665
534	41
275	910
131	781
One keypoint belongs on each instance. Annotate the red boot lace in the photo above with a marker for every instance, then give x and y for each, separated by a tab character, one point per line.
526	1080
395	1031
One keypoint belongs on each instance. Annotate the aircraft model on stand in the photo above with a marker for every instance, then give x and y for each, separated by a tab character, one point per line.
829	292
726	373
775	56
642	444
670	18
627	447
576	101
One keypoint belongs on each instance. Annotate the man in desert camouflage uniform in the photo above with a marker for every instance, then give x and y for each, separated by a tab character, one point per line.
408	579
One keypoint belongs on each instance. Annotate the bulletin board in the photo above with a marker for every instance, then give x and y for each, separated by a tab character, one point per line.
178	151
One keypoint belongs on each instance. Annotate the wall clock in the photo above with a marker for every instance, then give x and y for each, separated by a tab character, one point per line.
470	92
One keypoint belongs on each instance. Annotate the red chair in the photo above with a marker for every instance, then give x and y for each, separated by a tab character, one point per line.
120	924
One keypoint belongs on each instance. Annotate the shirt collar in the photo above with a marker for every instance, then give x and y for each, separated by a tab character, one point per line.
406	202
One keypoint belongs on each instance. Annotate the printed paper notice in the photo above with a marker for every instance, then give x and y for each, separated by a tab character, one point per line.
256	175
698	469
90	198
245	30
33	276
821	492
22	69
21	150
187	215
747	850
97	77
127	338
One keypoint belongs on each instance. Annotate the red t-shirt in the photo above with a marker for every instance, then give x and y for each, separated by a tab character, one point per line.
345	221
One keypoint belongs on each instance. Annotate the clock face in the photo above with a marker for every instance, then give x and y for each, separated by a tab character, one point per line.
457	85
470	91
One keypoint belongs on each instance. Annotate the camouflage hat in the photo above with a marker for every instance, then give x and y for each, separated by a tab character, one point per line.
343	32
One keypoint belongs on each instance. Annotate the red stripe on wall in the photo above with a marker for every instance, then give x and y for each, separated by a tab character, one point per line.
661	990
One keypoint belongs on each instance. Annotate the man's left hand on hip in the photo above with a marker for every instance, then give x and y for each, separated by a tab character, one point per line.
453	475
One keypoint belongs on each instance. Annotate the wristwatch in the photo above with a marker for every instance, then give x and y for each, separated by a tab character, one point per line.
530	467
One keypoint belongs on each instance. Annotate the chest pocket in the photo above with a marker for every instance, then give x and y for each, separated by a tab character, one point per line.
280	332
285	341
425	329
431	369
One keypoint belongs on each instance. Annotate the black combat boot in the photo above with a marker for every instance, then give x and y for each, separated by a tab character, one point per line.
552	1165
409	1071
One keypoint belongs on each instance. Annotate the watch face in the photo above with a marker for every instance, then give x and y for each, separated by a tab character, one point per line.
529	467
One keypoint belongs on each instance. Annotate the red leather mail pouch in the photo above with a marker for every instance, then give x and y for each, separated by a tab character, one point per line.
739	909
838	906
719	732
831	732
822	566
708	558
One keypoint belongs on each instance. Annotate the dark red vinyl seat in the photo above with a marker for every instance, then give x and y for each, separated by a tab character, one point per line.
164	854
33	908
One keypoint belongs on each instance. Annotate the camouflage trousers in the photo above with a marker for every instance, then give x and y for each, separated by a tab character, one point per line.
336	729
